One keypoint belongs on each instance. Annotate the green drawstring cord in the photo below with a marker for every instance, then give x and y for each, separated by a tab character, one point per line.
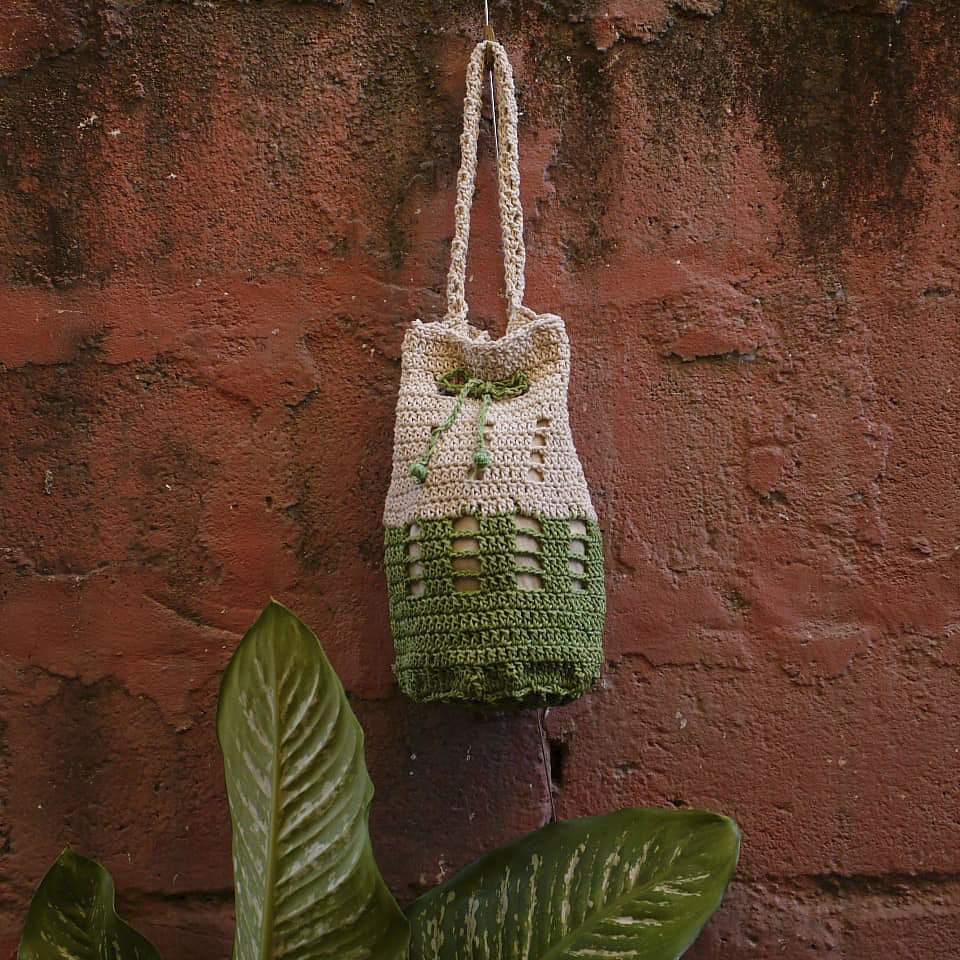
459	383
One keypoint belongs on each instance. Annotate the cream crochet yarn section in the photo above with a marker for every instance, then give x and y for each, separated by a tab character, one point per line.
531	463
534	468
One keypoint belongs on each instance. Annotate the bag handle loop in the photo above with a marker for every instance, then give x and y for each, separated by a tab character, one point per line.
508	176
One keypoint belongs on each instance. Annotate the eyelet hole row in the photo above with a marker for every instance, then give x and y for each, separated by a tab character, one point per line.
576	562
535	472
416	584
526	557
465	568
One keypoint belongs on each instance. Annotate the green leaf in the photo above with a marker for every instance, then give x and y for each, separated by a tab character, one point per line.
71	917
638	883
306	882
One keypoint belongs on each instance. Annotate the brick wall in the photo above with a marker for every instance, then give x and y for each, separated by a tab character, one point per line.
216	220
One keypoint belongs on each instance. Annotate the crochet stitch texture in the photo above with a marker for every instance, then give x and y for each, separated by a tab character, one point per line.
494	558
500	645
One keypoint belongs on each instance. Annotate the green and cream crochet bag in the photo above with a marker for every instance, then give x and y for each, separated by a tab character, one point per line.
493	554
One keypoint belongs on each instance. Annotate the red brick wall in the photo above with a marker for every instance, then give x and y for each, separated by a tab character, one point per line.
216	220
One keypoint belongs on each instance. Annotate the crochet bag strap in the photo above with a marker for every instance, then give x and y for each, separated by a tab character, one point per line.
508	175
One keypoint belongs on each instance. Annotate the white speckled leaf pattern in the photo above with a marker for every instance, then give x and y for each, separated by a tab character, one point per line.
71	917
306	883
638	884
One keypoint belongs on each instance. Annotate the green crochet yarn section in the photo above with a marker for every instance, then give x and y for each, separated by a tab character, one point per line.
500	644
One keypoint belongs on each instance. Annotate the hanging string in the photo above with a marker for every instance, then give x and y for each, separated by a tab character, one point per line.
508	187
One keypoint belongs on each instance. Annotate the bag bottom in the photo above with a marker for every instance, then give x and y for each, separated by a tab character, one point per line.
529	630
498	686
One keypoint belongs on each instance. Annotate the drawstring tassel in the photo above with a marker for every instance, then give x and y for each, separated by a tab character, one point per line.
459	383
481	457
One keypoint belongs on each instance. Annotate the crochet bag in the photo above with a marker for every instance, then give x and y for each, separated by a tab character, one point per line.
494	559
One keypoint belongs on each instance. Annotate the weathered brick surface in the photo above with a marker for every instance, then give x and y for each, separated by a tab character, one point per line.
216	220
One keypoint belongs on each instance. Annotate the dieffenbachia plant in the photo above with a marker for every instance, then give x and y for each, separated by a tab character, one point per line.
71	917
305	879
637	883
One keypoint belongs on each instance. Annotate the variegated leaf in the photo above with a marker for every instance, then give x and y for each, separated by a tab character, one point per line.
71	917
638	884
306	882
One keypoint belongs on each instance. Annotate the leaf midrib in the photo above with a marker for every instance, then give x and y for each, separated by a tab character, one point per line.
269	905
